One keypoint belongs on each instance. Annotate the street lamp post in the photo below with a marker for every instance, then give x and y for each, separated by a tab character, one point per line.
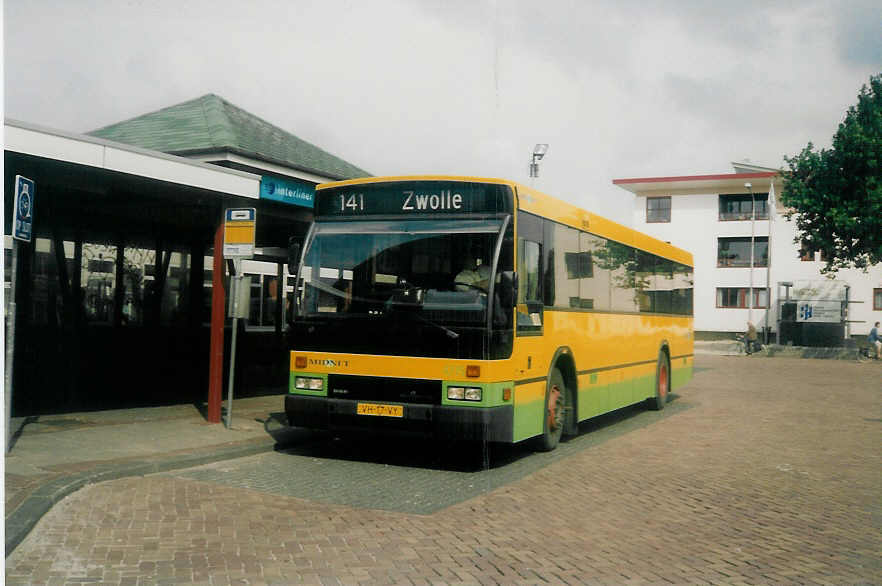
538	152
770	212
749	188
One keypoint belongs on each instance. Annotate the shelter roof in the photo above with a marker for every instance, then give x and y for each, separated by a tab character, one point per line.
210	124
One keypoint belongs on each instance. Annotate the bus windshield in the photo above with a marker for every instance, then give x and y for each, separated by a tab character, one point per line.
414	287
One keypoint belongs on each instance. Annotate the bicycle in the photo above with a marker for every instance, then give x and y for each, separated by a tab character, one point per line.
747	347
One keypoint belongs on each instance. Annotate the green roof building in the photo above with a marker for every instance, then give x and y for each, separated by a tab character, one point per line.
211	129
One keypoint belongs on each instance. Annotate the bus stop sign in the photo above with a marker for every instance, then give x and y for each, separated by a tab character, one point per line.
239	232
24	209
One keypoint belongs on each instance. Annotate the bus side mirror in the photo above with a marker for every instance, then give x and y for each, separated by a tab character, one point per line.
508	288
293	255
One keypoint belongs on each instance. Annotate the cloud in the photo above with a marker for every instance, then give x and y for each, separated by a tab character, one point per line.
618	89
859	33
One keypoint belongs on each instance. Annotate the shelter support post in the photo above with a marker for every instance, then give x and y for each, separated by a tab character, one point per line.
195	284
119	292
76	284
280	299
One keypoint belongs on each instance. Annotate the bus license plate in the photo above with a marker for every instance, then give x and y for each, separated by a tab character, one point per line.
381	410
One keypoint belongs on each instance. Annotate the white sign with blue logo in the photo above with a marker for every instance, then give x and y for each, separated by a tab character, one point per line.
819	311
23	227
290	191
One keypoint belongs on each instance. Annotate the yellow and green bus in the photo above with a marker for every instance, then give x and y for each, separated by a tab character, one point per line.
479	309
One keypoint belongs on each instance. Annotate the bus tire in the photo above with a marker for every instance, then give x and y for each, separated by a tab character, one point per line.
662	383
554	414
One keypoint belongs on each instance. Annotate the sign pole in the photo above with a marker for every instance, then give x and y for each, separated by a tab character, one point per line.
22	229
235	285
10	346
239	234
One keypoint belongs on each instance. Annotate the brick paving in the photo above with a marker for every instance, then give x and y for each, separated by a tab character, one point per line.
767	472
407	476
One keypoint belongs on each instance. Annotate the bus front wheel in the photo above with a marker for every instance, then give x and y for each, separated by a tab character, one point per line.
554	419
662	383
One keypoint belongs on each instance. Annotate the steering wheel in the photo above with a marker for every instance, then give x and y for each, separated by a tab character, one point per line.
470	286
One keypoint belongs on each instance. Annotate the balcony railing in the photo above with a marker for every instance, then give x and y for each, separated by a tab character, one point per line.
727	262
732	216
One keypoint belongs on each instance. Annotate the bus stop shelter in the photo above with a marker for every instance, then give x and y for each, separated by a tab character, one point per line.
114	293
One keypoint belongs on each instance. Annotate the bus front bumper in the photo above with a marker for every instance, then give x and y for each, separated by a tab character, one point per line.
494	424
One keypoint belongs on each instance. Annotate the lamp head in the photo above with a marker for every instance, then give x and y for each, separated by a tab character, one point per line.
539	151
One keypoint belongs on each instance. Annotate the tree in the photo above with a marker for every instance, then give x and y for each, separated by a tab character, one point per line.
835	195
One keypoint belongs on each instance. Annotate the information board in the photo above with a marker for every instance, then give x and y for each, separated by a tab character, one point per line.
413	198
239	226
24	209
819	311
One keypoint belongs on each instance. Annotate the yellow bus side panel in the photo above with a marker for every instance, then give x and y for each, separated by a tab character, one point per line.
615	358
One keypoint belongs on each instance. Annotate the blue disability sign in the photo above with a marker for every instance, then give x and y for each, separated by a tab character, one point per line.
290	191
24	209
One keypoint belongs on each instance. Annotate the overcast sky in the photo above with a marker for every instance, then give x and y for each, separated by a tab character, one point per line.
618	88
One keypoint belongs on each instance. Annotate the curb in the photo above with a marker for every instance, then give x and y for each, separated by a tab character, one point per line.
23	519
780	351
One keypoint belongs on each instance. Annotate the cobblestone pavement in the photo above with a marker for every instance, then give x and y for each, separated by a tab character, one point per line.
762	471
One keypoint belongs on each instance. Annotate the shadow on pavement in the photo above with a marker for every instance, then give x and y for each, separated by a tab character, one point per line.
452	455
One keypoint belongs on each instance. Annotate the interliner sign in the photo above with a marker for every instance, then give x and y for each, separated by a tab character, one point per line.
290	191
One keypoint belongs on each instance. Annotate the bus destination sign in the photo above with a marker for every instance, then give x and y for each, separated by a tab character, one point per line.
407	198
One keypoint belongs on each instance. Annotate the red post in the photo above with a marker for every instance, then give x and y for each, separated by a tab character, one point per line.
218	305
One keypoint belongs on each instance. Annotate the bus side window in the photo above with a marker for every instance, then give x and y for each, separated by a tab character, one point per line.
530	302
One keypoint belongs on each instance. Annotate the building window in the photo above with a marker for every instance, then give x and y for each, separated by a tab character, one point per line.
738	207
739	298
579	265
658	209
877	299
735	252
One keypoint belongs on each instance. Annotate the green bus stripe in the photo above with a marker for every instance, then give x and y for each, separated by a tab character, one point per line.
630	364
528	381
604	368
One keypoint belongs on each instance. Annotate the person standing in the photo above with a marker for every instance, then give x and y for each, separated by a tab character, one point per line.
750	346
876	340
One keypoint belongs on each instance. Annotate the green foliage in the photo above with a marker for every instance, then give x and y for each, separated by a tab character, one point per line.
835	195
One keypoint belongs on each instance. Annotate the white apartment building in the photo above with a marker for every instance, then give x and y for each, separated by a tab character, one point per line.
711	216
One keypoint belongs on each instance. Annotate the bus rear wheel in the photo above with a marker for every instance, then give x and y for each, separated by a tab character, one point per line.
555	412
662	383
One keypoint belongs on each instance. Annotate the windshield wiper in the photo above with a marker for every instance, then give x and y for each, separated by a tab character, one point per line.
398	308
450	333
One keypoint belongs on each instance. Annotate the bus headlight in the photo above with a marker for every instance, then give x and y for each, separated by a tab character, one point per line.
464	393
308	383
472	394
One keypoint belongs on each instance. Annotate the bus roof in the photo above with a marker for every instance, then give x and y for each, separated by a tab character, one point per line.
546	206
